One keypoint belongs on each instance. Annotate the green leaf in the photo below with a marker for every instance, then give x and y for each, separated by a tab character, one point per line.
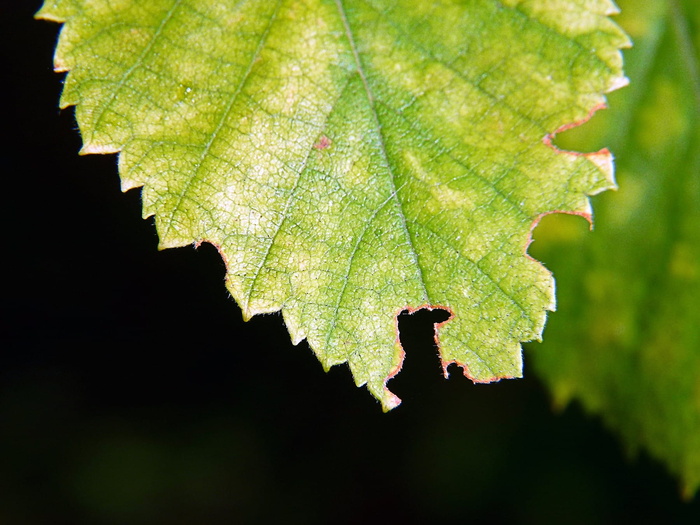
351	159
626	342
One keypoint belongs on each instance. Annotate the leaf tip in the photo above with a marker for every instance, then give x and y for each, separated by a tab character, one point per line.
389	400
99	149
44	14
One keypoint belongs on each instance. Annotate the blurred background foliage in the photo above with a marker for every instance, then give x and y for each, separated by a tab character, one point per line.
132	392
626	342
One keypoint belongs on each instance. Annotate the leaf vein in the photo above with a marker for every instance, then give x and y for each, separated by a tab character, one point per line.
224	117
380	136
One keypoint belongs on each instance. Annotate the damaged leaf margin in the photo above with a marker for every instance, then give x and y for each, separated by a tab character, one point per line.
351	159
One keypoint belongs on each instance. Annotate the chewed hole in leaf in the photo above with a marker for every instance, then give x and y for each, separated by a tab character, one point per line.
575	137
417	333
553	230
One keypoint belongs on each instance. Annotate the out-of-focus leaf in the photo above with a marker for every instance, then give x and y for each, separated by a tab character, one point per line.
626	340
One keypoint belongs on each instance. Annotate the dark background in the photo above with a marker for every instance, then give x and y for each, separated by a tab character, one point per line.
132	392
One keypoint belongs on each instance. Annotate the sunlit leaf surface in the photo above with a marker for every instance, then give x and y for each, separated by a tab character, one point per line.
351	159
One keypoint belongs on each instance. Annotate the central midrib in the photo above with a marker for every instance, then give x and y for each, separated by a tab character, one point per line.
378	127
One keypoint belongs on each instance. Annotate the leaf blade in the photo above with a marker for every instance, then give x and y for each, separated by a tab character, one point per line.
346	169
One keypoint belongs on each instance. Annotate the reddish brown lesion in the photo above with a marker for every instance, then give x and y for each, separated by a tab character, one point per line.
323	143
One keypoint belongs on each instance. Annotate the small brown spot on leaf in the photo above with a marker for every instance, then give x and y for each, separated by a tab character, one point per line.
323	143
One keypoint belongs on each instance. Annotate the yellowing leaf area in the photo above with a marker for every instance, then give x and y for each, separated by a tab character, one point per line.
352	159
